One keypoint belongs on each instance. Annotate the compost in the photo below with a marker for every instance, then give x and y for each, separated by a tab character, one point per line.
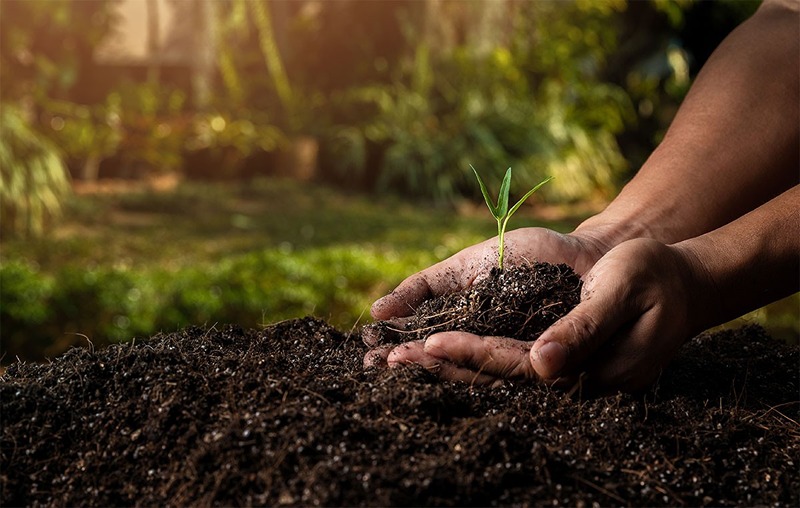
287	415
519	303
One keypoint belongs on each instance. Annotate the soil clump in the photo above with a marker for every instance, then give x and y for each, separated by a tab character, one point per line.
519	303
287	415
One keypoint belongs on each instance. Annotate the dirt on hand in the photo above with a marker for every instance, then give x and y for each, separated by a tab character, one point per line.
288	416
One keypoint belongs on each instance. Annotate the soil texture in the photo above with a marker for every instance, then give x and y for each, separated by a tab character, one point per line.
519	303
287	415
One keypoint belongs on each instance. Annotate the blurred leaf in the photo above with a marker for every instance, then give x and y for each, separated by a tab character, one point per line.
33	179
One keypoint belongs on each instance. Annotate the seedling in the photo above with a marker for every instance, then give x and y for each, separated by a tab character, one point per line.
500	211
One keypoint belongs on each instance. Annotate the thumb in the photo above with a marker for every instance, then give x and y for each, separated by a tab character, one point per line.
567	344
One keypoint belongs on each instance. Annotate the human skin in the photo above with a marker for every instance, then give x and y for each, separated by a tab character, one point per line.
732	148
650	297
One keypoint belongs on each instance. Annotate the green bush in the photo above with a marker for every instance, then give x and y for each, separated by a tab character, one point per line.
47	313
514	105
218	144
85	134
25	313
33	179
24	292
155	122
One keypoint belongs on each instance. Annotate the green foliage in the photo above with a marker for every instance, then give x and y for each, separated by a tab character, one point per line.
33	180
249	33
154	123
269	50
232	139
82	131
85	134
500	211
25	295
46	47
539	103
46	313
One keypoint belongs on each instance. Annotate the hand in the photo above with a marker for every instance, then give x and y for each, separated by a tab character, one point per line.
639	304
579	250
637	307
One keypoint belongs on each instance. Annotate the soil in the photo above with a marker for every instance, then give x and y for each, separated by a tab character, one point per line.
520	303
287	415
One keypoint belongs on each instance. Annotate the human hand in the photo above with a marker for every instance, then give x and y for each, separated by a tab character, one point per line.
637	309
639	304
579	250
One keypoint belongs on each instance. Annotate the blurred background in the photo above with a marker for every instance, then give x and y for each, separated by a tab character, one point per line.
165	163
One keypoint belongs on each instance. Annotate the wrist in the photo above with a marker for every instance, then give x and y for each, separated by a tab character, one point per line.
703	286
606	230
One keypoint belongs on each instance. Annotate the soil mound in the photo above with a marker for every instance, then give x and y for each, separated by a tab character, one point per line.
287	416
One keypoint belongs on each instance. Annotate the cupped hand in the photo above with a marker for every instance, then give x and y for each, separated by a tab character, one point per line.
640	302
465	267
466	355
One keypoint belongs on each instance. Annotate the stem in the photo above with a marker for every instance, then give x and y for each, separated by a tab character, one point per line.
501	229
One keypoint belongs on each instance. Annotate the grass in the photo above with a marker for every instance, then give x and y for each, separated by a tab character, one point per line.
205	223
133	263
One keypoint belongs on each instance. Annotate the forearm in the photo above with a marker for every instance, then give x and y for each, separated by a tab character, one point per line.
732	146
749	262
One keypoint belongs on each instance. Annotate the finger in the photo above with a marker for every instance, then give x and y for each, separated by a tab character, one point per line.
404	299
453	274
377	357
571	340
499	357
393	331
413	353
450	372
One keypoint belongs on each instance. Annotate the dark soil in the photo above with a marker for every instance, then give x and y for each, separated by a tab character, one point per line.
520	303
287	416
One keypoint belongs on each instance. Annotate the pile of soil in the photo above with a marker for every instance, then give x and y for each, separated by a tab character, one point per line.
519	303
288	416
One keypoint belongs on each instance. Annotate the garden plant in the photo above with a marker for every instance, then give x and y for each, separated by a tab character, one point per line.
500	211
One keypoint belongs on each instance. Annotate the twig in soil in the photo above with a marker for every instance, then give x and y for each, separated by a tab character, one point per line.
213	328
600	489
738	396
353	329
669	492
77	373
424	328
538	311
781	414
578	386
91	344
315	394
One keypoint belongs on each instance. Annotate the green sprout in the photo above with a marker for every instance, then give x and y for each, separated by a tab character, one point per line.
500	211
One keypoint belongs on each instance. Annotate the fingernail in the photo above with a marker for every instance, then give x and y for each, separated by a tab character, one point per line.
552	354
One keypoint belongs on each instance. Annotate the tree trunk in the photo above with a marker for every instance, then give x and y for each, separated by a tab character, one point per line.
203	62
153	42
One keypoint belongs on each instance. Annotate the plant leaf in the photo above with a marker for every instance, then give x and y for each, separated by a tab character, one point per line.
528	194
502	198
485	193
